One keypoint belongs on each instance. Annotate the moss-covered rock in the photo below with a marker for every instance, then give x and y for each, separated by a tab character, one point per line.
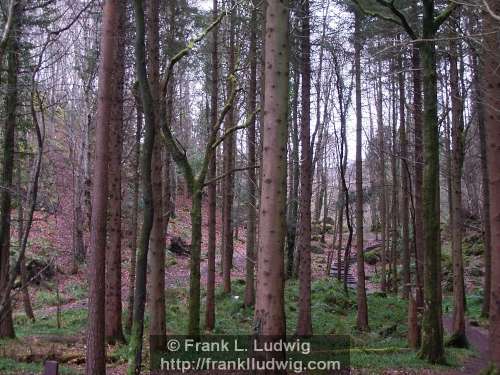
372	257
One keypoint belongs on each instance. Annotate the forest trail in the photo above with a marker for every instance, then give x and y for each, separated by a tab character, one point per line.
478	339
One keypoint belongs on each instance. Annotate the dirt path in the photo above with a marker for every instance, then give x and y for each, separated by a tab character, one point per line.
478	339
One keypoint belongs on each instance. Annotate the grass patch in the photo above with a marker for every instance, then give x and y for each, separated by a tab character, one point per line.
333	313
11	367
73	322
76	291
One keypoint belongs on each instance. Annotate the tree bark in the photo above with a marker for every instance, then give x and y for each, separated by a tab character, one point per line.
480	113
212	187
252	178
269	301
304	321
96	352
11	102
432	326
229	155
382	182
28	308
419	165
405	221
113	310
394	191
458	337
136	336
293	200
157	255
135	215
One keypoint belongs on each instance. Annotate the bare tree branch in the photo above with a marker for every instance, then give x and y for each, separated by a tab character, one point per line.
490	11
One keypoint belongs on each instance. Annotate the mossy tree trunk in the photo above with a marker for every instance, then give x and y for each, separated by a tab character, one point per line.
11	102
136	335
212	187
432	326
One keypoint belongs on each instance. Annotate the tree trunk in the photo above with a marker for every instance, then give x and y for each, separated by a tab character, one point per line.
304	321
194	276
229	155
479	109
382	182
340	229
419	167
405	221
252	178
11	102
157	255
113	310
136	335
135	215
458	338
96	352
492	117
292	211
394	192
324	184
362	311
28	308
212	187
432	327
269	301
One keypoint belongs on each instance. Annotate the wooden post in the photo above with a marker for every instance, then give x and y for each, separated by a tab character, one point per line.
51	368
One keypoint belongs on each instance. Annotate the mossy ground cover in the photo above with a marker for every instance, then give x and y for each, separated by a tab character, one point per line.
384	347
334	312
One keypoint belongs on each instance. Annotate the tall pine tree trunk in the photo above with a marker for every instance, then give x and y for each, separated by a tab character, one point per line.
269	299
405	221
457	134
157	255
252	178
419	167
113	311
304	321
479	110
432	326
382	182
96	352
229	156
394	193
212	187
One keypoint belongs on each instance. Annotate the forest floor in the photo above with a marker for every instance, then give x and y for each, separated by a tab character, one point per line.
479	342
59	329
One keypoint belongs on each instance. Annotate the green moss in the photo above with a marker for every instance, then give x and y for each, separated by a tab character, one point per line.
372	257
